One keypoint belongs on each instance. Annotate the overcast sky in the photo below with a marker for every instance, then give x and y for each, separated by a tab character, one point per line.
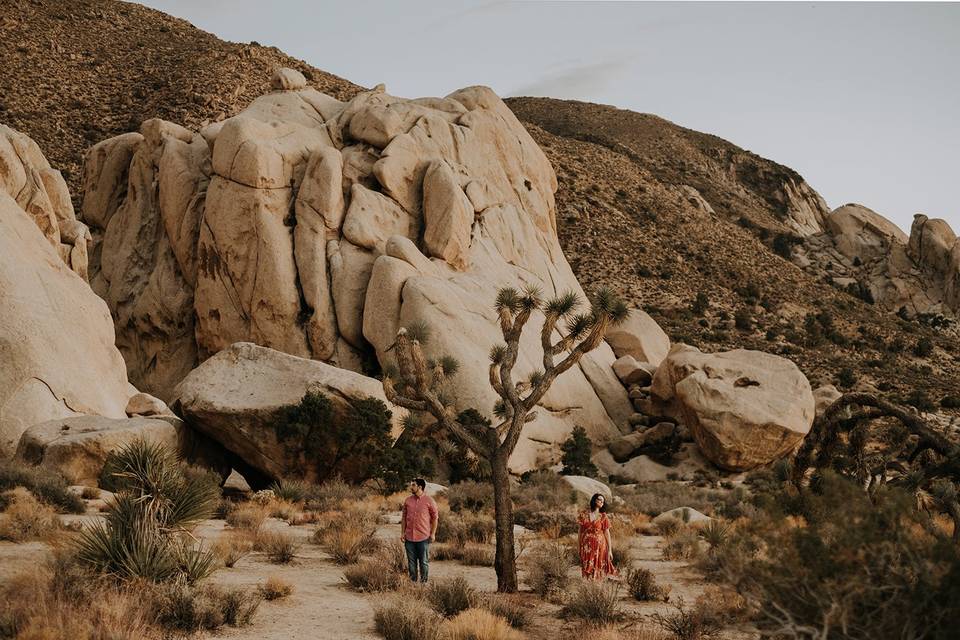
862	99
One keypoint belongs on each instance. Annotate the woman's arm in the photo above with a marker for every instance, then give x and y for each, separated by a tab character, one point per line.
609	545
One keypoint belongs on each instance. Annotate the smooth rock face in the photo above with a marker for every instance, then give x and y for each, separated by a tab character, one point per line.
632	372
687	515
143	404
588	487
860	232
235	397
642	468
639	337
78	447
317	228
744	408
41	193
57	354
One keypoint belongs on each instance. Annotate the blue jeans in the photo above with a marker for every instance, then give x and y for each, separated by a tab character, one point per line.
418	557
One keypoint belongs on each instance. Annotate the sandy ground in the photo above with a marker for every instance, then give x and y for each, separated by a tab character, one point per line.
321	605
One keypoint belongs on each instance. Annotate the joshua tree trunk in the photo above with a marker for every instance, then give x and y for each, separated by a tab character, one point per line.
505	562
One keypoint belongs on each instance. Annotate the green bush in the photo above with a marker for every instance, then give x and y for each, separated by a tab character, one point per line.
923	347
576	454
642	585
47	485
470	496
860	568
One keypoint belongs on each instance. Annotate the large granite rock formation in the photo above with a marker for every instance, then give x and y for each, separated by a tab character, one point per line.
865	253
317	228
57	354
744	408
236	397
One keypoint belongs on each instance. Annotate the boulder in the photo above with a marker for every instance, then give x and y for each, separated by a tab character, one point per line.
745	408
626	447
588	487
236	396
287	79
686	515
859	232
688	463
78	447
824	396
433	489
639	337
931	243
143	404
632	372
57	353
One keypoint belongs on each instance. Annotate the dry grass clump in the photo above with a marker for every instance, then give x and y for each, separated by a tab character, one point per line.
445	551
248	515
46	484
349	536
451	596
231	548
281	548
404	618
61	600
465	527
372	575
189	609
275	588
284	509
642	585
332	494
477	555
26	518
682	545
478	624
548	567
509	607
469	496
596	602
90	493
612	632
688	624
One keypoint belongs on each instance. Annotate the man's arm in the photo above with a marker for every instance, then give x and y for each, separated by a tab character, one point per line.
434	520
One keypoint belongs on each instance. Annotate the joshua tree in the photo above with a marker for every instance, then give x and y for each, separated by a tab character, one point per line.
417	384
917	456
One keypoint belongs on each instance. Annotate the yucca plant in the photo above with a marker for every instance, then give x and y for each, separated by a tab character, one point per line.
154	505
291	490
716	534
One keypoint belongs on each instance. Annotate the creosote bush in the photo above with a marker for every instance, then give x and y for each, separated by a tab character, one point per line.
594	601
25	517
275	588
516	612
642	585
479	624
547	568
450	596
405	618
372	575
280	547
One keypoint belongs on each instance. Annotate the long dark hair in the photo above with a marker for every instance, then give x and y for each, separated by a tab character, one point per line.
593	502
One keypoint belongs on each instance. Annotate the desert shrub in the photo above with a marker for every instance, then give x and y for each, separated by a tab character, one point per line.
642	585
923	347
470	496
576	454
668	526
846	378
950	402
232	548
451	596
682	545
332	494
140	537
46	484
61	599
858	568
687	624
512	609
249	516
548	567
477	555
275	588
290	490
445	551
479	624
531	517
394	555
919	399
406	619
700	304
594	601
186	608
743	319
25	517
654	498
715	533
465	527
90	493
346	544
284	510
372	575
409	457
280	548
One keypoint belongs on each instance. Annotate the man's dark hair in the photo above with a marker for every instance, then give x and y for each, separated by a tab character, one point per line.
421	482
593	502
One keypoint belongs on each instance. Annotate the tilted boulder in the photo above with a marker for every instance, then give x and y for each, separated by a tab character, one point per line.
57	354
78	447
318	227
236	397
639	337
859	232
744	408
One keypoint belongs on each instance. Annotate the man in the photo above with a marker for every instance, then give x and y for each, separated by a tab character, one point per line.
418	528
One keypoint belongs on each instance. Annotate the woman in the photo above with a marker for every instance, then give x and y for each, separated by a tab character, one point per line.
596	552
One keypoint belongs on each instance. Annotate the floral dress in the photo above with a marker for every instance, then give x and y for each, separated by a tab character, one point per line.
595	560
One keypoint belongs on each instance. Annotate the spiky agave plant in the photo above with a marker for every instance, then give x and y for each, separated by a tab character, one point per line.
143	534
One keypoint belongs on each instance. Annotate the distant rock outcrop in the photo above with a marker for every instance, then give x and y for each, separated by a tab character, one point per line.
866	254
318	228
57	354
